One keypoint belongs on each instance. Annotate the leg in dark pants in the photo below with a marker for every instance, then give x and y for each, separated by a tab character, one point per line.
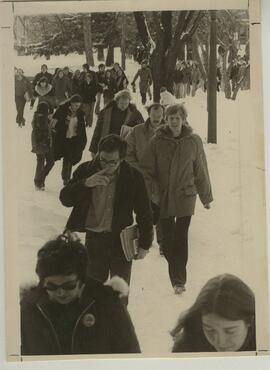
38	180
175	247
106	257
66	170
49	164
20	104
143	95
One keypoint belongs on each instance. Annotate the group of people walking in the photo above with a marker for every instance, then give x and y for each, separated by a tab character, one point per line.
149	172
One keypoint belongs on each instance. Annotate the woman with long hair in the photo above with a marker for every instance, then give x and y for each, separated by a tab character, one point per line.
222	319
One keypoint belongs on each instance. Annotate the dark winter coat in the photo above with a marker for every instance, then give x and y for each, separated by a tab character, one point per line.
75	86
133	117
48	75
178	76
145	81
101	324
71	148
89	91
180	169
130	196
101	77
62	89
121	81
22	86
194	340
41	134
111	85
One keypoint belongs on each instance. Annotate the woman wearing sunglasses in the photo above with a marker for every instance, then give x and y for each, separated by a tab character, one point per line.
68	313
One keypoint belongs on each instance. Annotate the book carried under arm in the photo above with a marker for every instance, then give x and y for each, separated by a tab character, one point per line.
129	240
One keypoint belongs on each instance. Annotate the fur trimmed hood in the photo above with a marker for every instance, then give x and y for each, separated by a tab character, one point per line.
116	285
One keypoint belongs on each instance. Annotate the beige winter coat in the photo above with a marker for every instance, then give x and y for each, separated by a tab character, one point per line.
180	168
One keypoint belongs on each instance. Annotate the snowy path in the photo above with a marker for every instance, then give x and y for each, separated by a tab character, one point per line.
215	245
215	242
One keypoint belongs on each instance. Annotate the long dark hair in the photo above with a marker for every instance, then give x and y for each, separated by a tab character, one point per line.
225	295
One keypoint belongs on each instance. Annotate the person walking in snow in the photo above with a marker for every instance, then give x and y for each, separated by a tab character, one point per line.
105	193
88	91
76	82
23	93
175	159
69	135
120	78
42	144
44	92
137	140
69	313
145	80
62	87
116	118
43	73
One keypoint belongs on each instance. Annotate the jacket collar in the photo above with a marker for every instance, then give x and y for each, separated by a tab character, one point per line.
166	133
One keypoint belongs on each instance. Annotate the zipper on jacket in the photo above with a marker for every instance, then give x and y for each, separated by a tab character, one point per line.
52	327
76	325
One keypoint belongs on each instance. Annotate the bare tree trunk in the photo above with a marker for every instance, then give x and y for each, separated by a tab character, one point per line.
100	53
212	82
203	67
88	39
123	41
110	55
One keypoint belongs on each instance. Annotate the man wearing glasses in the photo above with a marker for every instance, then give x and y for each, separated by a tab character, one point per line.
104	194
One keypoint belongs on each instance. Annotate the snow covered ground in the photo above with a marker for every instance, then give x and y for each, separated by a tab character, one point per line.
215	242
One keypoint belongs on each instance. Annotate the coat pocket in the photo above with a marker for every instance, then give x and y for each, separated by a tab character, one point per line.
189	190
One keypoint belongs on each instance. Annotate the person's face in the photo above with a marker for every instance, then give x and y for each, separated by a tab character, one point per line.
44	69
102	69
175	122
143	65
224	335
75	106
116	67
110	160
63	289
61	74
88	78
156	116
43	83
123	103
77	73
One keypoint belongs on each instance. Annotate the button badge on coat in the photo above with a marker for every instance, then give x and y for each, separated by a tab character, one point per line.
88	320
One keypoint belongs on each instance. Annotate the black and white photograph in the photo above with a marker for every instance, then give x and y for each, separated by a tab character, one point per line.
134	167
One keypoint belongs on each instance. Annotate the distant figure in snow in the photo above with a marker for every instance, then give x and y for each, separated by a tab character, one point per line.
23	93
117	117
62	87
145	80
69	135
42	144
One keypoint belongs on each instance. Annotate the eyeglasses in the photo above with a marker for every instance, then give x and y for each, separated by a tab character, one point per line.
113	162
69	285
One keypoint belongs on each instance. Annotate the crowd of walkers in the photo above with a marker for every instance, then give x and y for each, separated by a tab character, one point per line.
148	172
